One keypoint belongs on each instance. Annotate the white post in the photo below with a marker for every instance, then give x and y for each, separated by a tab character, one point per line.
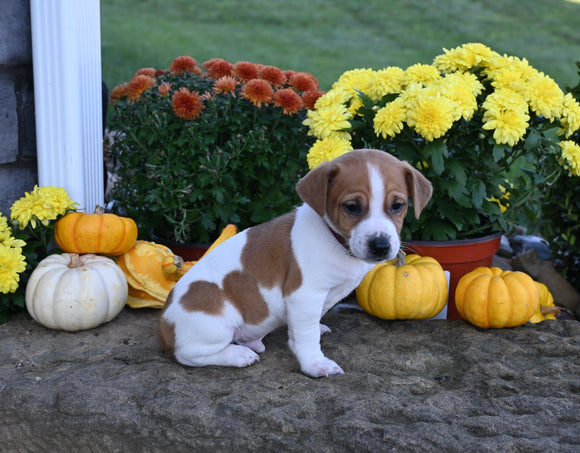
66	51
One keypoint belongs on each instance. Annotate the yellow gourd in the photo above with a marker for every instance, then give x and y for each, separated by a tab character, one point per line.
491	297
152	269
416	289
546	308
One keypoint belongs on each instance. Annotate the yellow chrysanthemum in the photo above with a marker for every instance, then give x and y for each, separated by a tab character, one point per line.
326	150
420	73
385	81
508	126
570	114
544	96
570	159
463	58
389	120
328	122
5	230
462	89
510	72
332	98
43	204
431	116
12	263
504	99
355	79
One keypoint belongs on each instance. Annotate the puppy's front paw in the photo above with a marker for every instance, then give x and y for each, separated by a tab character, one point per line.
322	368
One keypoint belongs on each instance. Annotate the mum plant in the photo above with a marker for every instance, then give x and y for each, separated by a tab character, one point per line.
200	147
481	126
26	240
561	212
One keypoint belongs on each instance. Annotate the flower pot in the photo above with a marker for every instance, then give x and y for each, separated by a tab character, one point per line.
189	252
458	257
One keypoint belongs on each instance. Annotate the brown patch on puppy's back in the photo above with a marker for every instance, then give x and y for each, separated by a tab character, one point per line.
267	261
203	296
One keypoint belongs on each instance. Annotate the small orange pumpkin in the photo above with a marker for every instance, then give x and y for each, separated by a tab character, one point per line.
108	234
491	297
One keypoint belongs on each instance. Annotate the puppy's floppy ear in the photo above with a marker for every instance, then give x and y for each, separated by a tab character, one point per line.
419	188
313	187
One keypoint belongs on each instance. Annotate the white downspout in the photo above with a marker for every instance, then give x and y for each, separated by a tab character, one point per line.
66	51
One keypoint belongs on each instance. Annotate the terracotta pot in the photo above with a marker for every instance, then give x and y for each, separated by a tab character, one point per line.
189	252
458	257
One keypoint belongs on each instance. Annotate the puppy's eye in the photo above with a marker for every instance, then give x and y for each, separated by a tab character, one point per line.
352	207
397	206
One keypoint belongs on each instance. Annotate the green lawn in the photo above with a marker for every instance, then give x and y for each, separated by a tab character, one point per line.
327	37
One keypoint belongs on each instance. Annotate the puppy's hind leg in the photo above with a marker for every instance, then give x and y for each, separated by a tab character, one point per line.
232	355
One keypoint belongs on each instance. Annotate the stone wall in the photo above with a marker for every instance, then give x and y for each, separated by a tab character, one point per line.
18	170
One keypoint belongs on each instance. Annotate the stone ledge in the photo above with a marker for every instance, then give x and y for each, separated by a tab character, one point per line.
409	386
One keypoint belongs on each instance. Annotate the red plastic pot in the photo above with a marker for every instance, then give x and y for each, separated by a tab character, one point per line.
458	257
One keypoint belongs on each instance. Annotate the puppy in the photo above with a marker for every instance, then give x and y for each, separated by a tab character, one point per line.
293	269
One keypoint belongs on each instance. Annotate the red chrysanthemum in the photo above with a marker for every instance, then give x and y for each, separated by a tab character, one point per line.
303	81
273	75
147	71
137	85
257	91
218	67
288	100
289	73
187	105
310	97
226	84
120	91
184	64
164	89
245	71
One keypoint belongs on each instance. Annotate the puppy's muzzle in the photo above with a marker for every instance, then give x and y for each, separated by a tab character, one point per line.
379	247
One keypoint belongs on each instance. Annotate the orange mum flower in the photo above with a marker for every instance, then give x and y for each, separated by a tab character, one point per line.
257	91
303	81
137	85
164	89
184	64
310	97
187	105
245	71
218	67
147	71
273	75
289	73
288	100
118	92
226	84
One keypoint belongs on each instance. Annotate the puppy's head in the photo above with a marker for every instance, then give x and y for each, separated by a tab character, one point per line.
363	196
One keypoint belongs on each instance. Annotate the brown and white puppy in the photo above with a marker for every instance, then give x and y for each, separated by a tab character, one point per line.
293	269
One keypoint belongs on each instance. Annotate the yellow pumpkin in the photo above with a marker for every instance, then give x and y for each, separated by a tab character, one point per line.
416	289
491	297
546	308
108	234
75	292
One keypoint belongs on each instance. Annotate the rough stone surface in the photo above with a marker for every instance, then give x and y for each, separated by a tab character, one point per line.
409	386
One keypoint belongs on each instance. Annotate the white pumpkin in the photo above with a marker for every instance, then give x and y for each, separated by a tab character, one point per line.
75	292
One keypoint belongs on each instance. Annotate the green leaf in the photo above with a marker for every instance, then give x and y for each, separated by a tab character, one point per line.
435	153
477	190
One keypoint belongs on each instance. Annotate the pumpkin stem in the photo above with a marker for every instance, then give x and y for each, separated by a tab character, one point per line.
400	258
550	310
99	210
75	261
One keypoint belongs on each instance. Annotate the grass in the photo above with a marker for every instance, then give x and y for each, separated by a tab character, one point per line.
327	37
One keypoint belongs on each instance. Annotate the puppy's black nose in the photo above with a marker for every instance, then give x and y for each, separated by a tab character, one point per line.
379	246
